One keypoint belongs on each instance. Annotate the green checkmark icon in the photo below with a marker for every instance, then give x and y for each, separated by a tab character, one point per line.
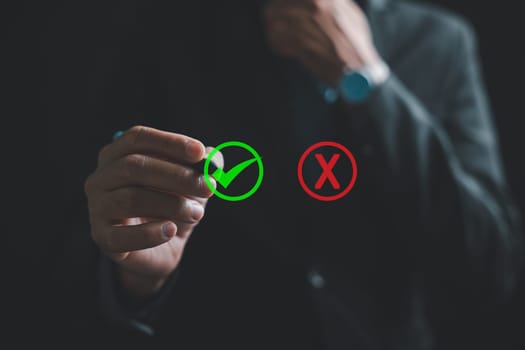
225	178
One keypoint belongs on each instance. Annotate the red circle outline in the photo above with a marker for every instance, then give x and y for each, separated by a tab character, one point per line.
301	164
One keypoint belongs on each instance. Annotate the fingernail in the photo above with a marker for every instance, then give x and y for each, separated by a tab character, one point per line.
194	149
197	211
168	230
213	182
206	184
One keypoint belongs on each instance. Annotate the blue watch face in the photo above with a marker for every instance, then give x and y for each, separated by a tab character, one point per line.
355	87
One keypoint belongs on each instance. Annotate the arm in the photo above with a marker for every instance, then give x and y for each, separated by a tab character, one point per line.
451	175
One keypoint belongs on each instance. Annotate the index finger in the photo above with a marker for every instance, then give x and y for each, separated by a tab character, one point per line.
153	142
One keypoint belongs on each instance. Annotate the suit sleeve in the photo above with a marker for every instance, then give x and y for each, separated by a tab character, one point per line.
120	310
442	178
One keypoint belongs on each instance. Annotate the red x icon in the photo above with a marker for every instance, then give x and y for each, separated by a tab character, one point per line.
327	171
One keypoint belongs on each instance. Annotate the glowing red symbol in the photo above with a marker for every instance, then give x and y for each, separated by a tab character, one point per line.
327	171
327	174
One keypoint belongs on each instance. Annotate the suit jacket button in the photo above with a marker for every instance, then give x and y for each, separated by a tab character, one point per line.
316	279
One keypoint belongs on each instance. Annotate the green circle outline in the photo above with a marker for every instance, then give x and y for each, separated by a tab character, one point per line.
259	164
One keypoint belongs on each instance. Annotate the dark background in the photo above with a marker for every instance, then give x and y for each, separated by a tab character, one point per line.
32	26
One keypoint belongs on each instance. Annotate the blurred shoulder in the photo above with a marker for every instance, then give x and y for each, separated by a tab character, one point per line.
429	21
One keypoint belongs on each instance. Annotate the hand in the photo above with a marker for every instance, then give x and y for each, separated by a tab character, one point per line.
144	202
326	36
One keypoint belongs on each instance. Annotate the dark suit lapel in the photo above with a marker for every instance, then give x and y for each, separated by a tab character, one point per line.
380	25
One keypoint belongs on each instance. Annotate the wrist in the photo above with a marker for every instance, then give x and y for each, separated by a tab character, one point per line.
137	286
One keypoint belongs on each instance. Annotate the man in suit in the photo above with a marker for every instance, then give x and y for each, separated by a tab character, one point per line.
417	256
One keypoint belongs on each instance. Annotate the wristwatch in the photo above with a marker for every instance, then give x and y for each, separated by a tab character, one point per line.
356	85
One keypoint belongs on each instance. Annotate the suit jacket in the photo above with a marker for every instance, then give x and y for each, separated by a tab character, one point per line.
419	255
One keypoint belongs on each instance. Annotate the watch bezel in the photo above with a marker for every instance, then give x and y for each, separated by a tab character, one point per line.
354	97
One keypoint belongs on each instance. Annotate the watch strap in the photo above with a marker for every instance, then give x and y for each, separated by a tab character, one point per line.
377	73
